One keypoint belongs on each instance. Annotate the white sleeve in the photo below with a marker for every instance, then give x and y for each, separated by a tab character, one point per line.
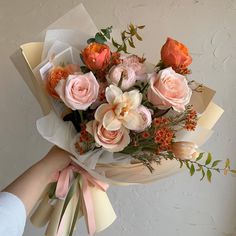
12	215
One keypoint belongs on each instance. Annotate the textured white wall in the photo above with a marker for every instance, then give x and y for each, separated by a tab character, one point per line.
179	205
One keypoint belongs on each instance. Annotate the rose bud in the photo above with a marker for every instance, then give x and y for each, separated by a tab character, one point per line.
184	150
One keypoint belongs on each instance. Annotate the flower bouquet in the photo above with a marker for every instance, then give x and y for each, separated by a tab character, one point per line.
124	120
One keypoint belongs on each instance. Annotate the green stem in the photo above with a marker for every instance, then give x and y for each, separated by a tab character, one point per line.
145	86
81	116
202	165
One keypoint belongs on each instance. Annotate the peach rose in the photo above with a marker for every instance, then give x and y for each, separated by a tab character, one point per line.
96	56
58	73
112	141
78	92
176	55
169	89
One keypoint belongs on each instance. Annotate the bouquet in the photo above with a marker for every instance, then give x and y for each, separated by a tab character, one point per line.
124	120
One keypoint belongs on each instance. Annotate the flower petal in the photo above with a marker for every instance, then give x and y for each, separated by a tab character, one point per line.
122	144
60	89
133	120
101	111
112	92
110	122
134	98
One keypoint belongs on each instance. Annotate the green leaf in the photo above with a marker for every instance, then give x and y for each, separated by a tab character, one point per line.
209	158
192	170
91	40
187	164
99	38
141	26
131	44
227	163
215	163
233	171
200	156
107	32
125	48
209	174
123	36
138	36
132	29
115	44
203	174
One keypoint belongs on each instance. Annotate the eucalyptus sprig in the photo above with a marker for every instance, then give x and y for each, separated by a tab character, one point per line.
102	36
127	37
207	167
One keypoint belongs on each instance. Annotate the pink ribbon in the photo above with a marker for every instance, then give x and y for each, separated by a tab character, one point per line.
63	183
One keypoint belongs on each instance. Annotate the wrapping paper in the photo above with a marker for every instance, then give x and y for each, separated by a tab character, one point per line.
115	169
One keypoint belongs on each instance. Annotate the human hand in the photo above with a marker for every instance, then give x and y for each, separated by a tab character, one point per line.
54	161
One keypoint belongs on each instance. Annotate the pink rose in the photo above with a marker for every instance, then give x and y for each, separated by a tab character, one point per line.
146	117
135	63
112	141
169	89
78	92
127	73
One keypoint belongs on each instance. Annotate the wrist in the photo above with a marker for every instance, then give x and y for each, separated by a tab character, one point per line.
47	171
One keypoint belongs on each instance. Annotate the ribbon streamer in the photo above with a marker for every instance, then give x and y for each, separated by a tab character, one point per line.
86	191
64	179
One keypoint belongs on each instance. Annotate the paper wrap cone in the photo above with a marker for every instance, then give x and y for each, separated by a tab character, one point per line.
103	210
42	214
52	228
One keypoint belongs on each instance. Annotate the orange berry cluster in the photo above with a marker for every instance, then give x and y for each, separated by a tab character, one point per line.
163	137
160	121
191	121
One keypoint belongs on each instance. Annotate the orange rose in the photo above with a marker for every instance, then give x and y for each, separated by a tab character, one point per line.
176	55
96	56
58	73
